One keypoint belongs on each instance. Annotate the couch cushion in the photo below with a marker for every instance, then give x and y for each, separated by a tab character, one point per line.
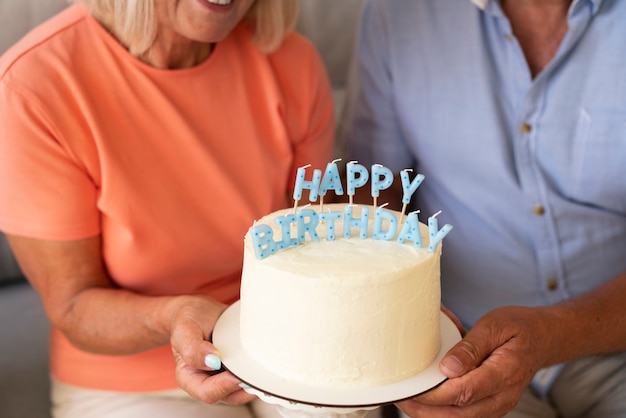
18	16
9	270
24	376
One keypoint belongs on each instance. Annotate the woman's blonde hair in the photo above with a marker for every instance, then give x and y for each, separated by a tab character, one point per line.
270	21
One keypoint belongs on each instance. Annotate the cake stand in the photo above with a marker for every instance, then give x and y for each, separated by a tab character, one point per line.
296	400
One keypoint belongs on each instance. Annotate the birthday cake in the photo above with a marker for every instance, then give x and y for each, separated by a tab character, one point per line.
341	295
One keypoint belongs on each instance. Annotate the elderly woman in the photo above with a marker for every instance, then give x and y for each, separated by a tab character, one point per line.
138	142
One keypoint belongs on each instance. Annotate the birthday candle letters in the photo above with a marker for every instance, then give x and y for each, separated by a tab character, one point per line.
308	220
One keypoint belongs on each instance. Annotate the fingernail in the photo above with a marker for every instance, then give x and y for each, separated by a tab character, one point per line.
244	386
213	362
453	364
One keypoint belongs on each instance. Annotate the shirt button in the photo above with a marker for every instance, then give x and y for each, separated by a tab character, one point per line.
508	37
526	128
539	210
552	284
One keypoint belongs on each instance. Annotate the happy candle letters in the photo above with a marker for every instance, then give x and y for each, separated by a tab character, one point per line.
386	226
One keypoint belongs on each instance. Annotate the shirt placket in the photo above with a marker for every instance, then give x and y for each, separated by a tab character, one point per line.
527	97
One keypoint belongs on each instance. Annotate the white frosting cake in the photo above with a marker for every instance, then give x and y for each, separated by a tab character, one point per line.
346	312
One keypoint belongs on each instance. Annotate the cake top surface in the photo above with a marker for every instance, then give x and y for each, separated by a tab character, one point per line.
358	256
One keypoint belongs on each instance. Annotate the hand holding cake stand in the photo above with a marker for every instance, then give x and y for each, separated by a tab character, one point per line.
295	400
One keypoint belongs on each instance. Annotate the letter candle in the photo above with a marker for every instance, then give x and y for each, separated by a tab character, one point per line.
285	222
411	230
379	216
330	180
313	185
329	218
357	177
349	221
436	234
264	244
408	188
307	227
382	178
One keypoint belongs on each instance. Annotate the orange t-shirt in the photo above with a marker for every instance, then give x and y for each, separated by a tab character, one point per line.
170	166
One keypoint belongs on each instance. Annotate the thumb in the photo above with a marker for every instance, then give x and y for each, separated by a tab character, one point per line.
467	354
191	349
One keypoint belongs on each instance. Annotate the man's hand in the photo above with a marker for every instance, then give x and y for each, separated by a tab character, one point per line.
490	368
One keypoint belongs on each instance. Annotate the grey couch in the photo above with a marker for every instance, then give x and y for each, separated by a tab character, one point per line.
24	379
24	382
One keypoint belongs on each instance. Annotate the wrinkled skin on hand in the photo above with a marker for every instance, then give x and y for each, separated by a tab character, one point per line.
489	369
191	330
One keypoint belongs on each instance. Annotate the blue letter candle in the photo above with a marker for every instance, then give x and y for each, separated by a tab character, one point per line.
307	227
331	179
409	187
349	222
285	222
380	215
357	176
382	178
329	218
411	230
435	234
313	184
262	240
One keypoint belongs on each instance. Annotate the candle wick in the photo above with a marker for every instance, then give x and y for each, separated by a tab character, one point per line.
436	214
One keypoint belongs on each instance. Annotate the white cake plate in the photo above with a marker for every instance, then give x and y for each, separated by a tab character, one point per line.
276	389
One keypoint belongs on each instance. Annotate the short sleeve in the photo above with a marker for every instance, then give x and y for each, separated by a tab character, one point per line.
44	191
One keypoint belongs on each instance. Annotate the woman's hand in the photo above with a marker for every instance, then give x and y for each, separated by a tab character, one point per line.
198	364
490	368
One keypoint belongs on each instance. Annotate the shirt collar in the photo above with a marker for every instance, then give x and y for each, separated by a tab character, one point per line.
595	4
480	3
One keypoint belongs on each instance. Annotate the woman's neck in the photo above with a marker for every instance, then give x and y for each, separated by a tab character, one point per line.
169	50
176	53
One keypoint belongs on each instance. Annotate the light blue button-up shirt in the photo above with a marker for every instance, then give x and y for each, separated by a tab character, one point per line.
530	172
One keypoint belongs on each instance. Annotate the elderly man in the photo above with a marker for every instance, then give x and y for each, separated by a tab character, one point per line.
515	111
